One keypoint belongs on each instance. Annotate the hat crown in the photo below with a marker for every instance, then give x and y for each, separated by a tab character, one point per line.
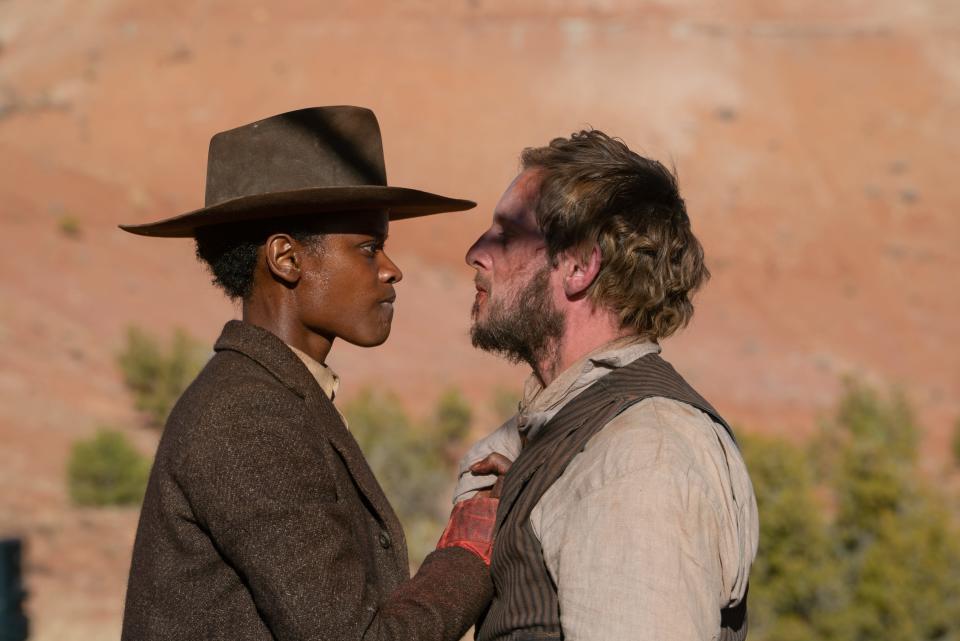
302	149
311	162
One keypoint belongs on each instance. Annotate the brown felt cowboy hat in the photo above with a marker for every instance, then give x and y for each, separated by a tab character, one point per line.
309	161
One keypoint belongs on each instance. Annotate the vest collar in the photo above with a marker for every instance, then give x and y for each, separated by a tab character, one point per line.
540	404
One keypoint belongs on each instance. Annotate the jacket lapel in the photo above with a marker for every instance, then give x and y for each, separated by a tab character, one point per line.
273	354
346	445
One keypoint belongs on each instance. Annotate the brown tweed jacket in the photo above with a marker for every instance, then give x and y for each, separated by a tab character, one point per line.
263	521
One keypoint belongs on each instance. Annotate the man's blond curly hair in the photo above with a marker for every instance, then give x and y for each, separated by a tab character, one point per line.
595	191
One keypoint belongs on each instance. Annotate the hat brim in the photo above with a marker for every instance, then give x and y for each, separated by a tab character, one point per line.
399	202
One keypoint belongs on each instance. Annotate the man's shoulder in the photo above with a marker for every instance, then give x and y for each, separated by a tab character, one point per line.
653	432
655	444
656	448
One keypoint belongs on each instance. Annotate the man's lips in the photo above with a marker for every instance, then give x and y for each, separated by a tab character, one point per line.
479	299
390	299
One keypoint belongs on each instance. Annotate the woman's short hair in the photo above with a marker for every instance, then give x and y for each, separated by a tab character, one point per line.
230	251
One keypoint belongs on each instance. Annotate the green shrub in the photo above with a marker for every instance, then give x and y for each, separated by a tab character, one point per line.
897	547
157	376
69	226
107	470
451	419
855	544
793	579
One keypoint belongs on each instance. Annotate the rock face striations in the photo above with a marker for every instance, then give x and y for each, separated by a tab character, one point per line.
816	150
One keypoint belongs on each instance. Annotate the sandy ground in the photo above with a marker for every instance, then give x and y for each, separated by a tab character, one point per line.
816	147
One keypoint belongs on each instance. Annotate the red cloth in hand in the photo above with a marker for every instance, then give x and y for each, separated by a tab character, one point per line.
471	527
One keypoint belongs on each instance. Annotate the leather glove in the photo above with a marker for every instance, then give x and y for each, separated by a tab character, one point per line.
471	527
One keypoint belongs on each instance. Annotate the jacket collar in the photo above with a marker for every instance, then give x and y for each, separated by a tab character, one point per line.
270	352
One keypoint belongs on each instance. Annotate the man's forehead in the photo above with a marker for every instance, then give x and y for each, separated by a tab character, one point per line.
519	200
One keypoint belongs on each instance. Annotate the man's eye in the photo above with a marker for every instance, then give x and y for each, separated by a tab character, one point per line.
504	238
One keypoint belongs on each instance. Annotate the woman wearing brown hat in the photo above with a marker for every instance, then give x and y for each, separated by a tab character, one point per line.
262	520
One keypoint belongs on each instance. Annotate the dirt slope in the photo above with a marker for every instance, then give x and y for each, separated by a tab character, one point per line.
816	147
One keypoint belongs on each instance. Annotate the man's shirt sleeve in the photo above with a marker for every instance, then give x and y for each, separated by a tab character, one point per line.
504	440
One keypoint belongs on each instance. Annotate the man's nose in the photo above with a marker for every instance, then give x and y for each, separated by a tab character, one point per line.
477	256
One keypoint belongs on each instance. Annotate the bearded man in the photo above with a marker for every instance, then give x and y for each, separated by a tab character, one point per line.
627	512
262	520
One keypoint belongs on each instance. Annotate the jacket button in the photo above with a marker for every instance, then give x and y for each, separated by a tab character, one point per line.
384	540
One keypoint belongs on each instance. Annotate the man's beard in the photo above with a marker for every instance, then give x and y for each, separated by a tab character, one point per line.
526	328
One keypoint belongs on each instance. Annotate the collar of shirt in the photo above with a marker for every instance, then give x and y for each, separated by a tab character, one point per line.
328	381
540	404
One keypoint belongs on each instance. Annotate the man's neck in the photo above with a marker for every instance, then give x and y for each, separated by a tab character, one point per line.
583	333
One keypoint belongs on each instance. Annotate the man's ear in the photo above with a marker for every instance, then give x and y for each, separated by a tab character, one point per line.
283	257
579	270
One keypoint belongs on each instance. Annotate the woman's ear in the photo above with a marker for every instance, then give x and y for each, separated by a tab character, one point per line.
579	270
282	253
